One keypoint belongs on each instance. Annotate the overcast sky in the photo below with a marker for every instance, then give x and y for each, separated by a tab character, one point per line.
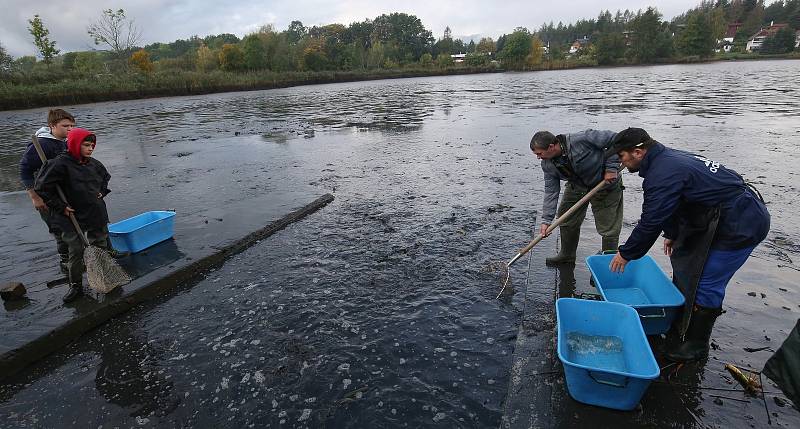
168	20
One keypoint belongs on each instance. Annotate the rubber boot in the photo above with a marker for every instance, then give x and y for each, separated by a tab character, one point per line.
569	245
610	244
75	291
696	343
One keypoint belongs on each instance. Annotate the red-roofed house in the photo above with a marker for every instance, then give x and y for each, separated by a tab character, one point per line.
755	42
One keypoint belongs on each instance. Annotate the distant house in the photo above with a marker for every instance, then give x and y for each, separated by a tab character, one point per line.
458	58
578	44
730	33
757	40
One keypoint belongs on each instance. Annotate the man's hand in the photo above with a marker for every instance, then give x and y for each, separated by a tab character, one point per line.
543	229
99	195
39	204
68	211
618	264
668	243
610	177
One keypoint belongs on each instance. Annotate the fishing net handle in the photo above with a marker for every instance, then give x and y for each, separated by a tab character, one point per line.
60	192
567	214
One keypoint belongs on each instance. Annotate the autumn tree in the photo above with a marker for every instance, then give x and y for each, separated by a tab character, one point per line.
231	57
141	61
486	46
115	30
207	60
536	54
41	38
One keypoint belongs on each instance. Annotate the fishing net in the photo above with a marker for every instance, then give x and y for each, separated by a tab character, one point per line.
102	270
501	269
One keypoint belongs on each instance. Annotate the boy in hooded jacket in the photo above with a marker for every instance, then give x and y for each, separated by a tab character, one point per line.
84	181
53	139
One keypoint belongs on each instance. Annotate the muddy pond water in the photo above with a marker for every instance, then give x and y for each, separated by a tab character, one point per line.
376	311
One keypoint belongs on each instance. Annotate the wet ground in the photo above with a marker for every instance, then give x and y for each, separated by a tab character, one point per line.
376	311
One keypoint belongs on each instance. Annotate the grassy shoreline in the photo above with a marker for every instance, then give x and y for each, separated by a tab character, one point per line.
133	86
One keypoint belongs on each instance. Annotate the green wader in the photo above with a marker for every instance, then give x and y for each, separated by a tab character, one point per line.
607	210
61	245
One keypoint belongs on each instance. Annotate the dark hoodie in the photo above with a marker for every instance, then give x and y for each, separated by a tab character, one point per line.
30	163
81	179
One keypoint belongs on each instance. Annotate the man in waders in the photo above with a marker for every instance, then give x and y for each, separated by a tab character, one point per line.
579	159
711	219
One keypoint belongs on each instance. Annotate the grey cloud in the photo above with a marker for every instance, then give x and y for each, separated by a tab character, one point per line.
167	20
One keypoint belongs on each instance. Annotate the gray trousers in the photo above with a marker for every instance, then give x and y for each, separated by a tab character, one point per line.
97	237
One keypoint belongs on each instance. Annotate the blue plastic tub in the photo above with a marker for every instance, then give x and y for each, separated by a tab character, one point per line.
607	360
142	231
643	286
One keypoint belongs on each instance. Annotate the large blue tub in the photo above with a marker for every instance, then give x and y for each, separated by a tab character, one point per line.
643	286
607	359
142	231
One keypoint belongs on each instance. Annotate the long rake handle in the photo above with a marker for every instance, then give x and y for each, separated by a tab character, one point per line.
561	219
60	192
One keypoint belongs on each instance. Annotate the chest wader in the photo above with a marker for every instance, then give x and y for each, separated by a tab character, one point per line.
570	232
691	333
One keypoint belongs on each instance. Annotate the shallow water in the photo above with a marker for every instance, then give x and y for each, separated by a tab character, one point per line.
377	310
596	351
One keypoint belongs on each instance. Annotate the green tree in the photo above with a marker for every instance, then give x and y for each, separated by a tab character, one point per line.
231	57
516	49
404	33
88	63
25	64
255	53
296	31
646	28
376	55
697	38
6	62
426	60
68	60
41	38
114	30
444	60
779	43
610	48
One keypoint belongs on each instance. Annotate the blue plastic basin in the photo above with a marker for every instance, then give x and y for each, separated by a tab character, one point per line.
607	359
643	286
142	231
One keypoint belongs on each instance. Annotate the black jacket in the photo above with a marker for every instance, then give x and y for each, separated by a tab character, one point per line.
81	183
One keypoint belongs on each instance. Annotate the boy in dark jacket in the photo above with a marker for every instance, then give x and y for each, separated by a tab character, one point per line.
53	141
84	181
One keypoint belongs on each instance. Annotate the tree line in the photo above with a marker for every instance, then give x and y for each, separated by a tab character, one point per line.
399	41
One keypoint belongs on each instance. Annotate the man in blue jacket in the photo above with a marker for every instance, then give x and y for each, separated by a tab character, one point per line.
53	140
711	219
579	159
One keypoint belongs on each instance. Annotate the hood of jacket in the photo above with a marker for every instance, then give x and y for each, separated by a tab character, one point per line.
74	139
44	132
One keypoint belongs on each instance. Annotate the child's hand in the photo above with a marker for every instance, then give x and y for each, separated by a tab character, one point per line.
68	211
